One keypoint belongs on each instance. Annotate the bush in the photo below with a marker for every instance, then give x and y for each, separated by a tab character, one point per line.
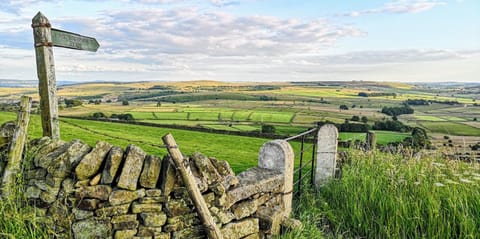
125	102
355	118
97	115
268	129
343	107
72	103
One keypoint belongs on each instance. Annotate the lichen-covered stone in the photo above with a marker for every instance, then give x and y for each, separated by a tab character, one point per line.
138	207
112	164
270	219
38	173
152	200
126	225
90	228
125	234
253	181
221	216
197	232
68	185
95	180
125	196
150	172
205	168
179	222
144	231
237	230
167	178
87	204
42	158
248	207
91	162
59	212
99	192
81	214
63	164
177	207
48	196
33	192
112	210
132	168
153	192
153	219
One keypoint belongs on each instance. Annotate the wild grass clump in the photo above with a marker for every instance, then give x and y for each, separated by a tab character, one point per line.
388	196
19	219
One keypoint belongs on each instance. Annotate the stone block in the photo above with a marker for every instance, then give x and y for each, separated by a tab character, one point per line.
118	197
112	210
157	219
248	207
179	222
95	180
81	214
153	192
205	168
91	162
87	204
197	232
100	192
167	178
125	234
150	172
139	208
144	231
270	219
222	217
177	207
132	168
243	228
92	228
112	164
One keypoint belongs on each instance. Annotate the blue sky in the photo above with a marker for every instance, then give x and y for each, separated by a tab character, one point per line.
251	40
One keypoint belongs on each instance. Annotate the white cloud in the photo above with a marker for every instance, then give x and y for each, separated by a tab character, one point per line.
399	7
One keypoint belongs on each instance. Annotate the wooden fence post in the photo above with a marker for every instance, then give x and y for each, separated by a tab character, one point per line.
278	155
326	154
17	145
46	76
202	209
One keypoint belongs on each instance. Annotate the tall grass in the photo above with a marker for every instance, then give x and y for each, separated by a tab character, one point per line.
20	219
387	196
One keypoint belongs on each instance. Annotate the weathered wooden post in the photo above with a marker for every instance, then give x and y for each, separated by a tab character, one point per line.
278	155
371	140
46	76
45	37
326	154
15	151
200	205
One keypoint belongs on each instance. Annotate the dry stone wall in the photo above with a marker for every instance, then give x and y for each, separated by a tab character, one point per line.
110	192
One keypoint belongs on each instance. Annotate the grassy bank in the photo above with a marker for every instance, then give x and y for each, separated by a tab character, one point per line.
385	196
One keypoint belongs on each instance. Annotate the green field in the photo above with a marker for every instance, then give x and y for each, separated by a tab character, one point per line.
451	128
383	137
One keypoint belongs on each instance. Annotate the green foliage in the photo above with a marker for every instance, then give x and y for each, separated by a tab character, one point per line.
395	111
268	129
343	107
72	103
419	139
97	115
127	117
391	125
125	102
355	118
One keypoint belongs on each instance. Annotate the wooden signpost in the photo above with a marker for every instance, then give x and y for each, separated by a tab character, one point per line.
45	38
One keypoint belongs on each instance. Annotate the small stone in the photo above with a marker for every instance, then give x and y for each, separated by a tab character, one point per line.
48	196
180	222
81	214
138	208
87	204
33	192
197	232
205	168
177	207
91	228
42	158
82	183
132	168
148	200
153	192
153	219
124	218
150	172
68	186
90	164
248	207
99	192
144	231
112	163
270	219
125	234
38	173
221	216
53	182
240	229
125	225
95	180
125	196
112	210
209	198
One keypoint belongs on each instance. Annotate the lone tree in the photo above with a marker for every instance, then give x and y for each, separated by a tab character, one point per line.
343	107
268	129
125	102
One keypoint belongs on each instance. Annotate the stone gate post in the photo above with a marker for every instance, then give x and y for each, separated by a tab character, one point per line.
326	153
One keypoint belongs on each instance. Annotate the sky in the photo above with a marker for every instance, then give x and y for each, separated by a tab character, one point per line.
251	40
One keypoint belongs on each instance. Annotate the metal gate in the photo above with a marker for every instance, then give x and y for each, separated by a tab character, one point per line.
304	161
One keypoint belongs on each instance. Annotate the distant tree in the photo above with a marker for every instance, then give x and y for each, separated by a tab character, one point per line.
364	119
353	106
475	119
355	118
446	137
343	107
394	118
109	101
159	103
72	103
97	102
268	129
125	102
419	139
97	115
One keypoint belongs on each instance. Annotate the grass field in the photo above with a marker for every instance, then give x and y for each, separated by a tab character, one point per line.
383	137
451	128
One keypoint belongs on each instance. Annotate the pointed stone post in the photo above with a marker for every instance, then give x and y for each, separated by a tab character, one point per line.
371	140
46	76
278	155
326	154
